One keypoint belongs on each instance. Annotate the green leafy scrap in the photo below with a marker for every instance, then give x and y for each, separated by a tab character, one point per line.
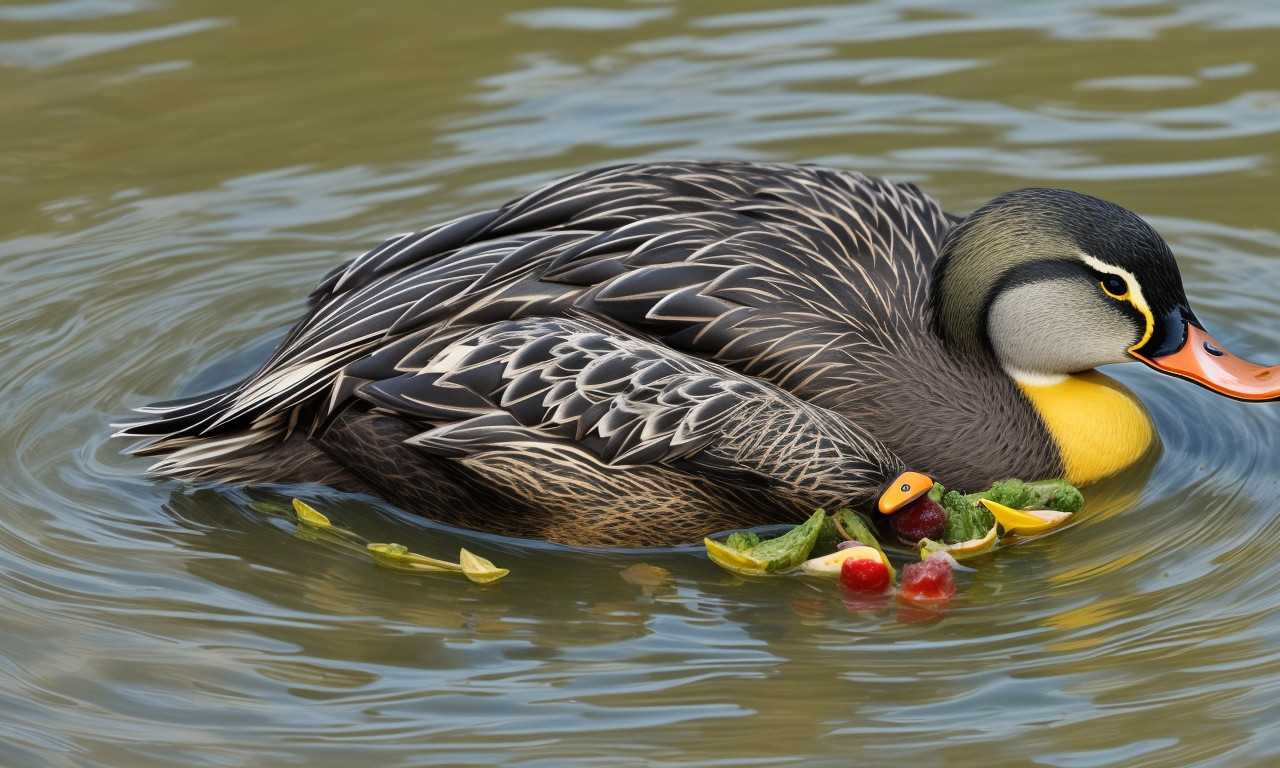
829	533
965	519
742	541
856	527
791	548
1014	494
1058	495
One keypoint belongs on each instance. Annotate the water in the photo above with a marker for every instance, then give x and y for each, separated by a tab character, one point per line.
177	175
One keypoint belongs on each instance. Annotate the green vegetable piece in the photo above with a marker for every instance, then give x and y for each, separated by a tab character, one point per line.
965	519
732	560
829	534
1014	494
269	507
308	515
936	492
856	527
397	557
478	569
769	556
312	525
1057	495
742	541
791	548
928	546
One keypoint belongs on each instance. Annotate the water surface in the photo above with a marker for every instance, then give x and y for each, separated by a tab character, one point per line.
177	175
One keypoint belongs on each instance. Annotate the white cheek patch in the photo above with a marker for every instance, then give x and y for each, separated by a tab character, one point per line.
1043	330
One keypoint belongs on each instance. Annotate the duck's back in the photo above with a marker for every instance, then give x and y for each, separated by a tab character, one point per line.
814	279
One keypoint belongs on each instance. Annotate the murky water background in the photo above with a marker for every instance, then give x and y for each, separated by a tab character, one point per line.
175	176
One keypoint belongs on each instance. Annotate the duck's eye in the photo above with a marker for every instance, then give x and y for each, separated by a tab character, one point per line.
1115	286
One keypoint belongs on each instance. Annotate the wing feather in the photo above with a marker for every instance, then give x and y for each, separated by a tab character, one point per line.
768	269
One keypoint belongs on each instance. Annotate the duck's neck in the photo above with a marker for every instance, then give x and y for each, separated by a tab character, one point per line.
1098	424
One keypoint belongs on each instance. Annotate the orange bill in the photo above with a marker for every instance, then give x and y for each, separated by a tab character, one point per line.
1206	362
905	488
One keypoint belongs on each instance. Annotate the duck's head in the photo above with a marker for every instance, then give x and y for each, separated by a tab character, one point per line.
1053	282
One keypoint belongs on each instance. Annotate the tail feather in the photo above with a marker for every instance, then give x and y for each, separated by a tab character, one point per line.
171	424
223	458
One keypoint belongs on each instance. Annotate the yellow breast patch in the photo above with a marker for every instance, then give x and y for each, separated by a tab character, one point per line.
1098	424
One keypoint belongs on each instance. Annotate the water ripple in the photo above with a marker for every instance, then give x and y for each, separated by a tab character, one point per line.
44	52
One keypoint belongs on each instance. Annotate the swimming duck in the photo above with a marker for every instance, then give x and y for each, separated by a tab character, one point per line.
648	353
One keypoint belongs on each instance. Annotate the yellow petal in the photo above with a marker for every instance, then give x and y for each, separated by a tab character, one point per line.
478	569
308	515
1015	521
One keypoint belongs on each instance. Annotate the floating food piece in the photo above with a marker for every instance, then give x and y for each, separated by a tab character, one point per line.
865	576
854	527
308	515
960	549
1057	495
923	518
314	525
478	569
1024	522
966	520
742	540
830	565
731	559
769	556
398	558
929	581
645	575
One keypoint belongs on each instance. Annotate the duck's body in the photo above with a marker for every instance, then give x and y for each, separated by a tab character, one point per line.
648	353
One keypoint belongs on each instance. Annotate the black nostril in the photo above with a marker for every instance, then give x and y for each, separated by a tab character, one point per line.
906	487
1212	350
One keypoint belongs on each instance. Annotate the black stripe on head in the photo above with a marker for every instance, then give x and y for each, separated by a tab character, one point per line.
1055	269
1115	235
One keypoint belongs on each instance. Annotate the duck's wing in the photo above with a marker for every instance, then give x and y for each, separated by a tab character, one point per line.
778	271
783	272
622	401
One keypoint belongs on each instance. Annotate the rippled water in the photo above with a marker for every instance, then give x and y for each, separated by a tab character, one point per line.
175	176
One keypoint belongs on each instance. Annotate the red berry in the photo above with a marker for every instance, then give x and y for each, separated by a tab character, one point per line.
923	518
870	577
929	580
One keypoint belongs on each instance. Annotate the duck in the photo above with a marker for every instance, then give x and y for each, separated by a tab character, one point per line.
647	353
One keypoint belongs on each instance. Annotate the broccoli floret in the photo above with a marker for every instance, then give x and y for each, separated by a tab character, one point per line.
1045	494
1057	494
965	519
742	541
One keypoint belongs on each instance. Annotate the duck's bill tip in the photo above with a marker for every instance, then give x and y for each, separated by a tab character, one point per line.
902	490
1206	362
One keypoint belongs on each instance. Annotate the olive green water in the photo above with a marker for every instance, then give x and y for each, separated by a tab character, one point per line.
175	176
